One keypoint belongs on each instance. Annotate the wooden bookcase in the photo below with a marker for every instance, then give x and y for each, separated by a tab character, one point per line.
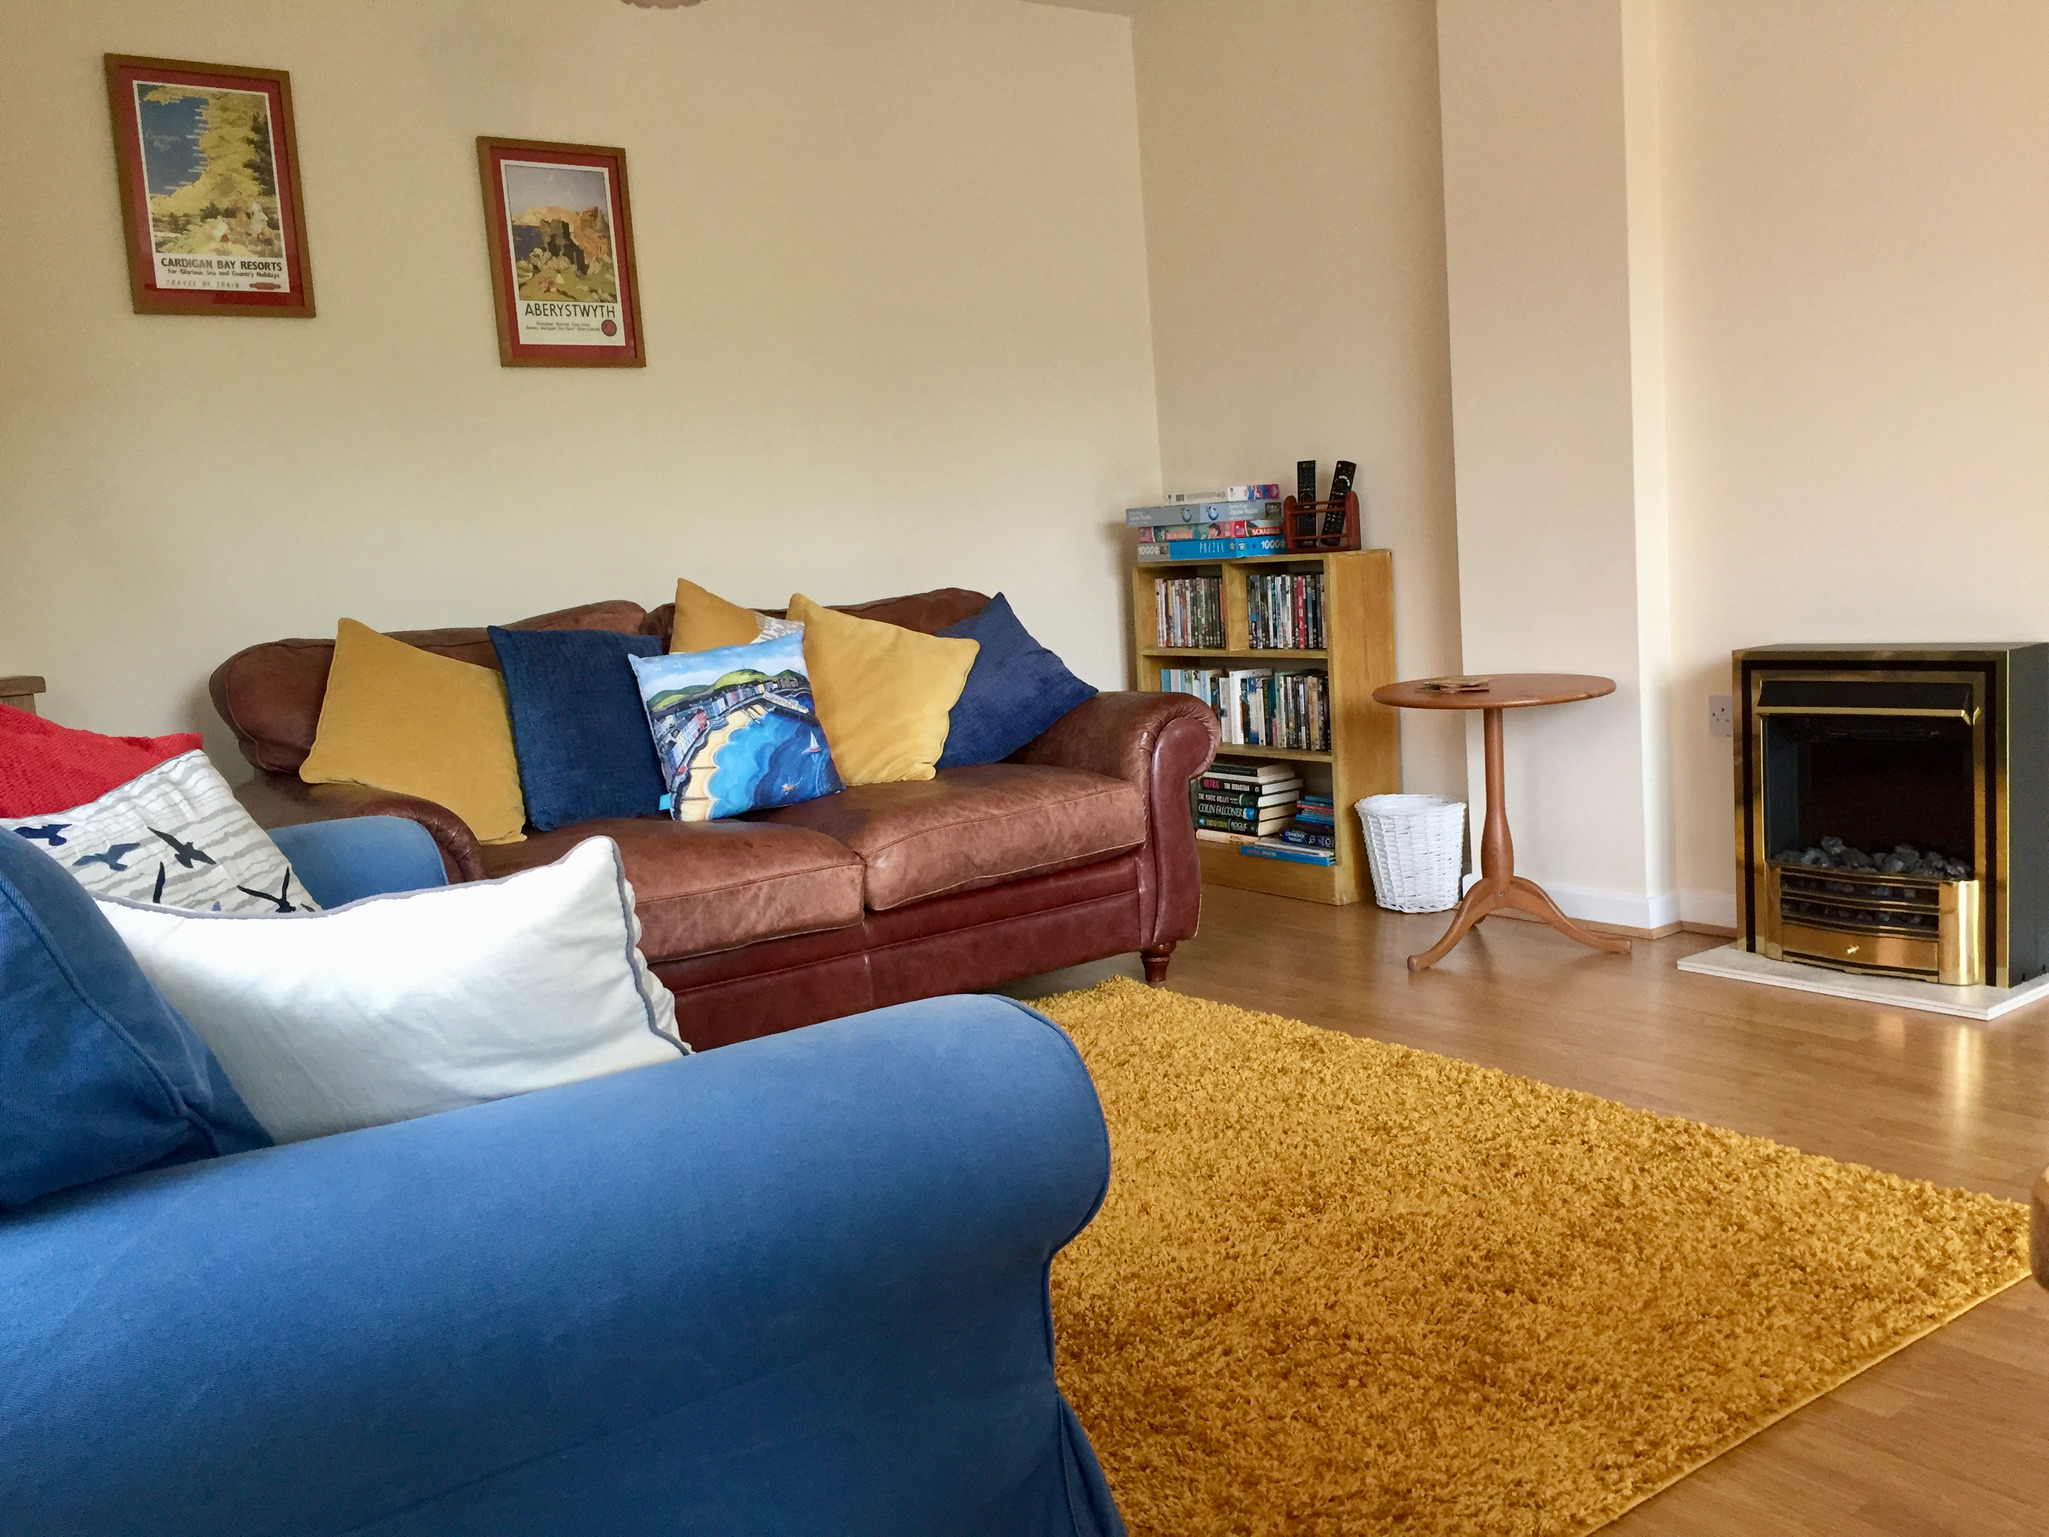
1365	756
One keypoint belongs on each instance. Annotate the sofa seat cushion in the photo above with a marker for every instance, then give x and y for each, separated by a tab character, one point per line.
705	886
972	827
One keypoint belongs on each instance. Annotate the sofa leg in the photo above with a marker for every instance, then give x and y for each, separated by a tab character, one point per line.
1156	964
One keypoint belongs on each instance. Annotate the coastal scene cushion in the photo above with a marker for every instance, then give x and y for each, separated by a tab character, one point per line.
173	835
884	692
735	728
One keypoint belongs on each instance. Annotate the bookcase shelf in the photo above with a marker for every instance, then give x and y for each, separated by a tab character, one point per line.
1358	657
1250	654
1292	754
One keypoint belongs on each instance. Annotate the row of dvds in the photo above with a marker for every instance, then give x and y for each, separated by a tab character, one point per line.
1258	707
1189	610
1284	611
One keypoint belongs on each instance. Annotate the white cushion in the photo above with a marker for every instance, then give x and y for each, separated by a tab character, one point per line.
174	834
403	1005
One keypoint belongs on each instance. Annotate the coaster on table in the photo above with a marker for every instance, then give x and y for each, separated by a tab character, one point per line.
1456	685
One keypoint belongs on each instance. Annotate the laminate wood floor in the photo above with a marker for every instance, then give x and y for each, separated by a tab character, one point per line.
1948	1438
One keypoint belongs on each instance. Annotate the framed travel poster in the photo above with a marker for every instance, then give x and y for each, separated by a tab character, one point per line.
562	274
209	188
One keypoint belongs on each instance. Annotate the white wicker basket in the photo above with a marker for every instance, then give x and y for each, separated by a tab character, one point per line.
1415	846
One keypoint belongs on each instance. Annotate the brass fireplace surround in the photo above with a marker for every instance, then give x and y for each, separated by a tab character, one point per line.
1944	714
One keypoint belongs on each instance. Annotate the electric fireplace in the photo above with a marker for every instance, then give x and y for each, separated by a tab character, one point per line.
1892	809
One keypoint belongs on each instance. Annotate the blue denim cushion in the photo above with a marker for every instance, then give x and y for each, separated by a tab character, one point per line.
98	1074
577	724
344	861
1017	689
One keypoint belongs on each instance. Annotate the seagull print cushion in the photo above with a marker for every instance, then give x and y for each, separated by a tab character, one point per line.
174	835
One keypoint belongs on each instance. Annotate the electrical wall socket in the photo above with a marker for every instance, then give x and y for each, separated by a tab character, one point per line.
1721	715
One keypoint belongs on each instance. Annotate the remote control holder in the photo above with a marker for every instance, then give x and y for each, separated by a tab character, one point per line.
1313	528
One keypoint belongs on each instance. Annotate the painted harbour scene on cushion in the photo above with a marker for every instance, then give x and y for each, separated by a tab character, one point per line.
736	728
209	163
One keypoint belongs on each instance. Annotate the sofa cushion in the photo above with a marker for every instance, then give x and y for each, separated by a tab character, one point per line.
704	886
704	621
973	827
884	693
98	1074
174	835
734	729
415	1002
46	767
577	724
1016	690
926	612
270	694
401	719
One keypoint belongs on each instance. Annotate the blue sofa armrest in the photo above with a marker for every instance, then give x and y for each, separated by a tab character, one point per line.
358	857
797	1285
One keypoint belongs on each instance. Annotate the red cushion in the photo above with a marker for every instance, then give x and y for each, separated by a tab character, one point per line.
46	767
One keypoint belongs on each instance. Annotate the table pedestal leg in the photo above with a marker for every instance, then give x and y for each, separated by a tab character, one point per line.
1499	886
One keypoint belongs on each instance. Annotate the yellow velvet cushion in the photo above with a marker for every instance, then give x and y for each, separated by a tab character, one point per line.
883	692
401	719
705	621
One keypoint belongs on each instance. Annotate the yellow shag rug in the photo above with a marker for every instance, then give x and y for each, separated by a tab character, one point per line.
1345	1287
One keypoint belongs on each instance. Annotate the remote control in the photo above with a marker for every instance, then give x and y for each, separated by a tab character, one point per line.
1305	481
1340	487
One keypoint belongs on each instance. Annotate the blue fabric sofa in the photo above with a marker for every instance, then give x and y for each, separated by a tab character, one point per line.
797	1285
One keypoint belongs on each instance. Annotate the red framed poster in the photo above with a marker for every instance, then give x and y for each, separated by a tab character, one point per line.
209	166
563	281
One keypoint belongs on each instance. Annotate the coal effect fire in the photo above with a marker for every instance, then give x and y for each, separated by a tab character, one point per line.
1902	859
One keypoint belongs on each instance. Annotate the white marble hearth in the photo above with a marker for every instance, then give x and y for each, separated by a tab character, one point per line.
1900	992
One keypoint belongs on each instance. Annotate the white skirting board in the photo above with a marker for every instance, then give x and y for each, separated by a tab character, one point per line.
1900	992
1643	912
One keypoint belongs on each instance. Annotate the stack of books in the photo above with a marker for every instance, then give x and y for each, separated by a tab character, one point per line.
1309	837
1228	523
1315	824
1189	610
1284	611
1244	802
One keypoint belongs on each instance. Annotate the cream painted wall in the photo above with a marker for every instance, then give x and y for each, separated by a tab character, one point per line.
1857	238
1550	181
1295	226
1750	342
895	295
912	298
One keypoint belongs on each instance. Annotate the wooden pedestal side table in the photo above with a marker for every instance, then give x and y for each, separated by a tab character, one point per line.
1499	886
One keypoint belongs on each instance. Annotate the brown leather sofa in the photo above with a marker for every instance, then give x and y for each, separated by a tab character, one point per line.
1078	847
